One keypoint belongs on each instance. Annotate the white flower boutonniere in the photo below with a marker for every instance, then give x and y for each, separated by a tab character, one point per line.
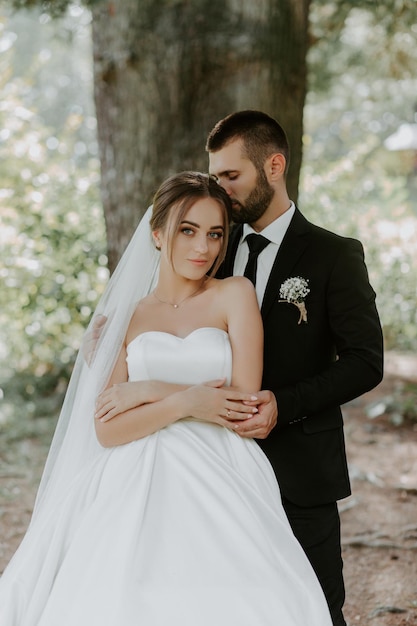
293	291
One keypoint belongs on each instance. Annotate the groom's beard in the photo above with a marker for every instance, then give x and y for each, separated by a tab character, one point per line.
255	204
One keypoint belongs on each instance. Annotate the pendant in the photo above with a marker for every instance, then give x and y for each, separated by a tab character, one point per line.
175	306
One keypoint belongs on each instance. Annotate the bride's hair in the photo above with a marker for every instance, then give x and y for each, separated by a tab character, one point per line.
182	191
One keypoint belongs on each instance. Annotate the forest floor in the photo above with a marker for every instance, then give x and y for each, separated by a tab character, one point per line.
379	520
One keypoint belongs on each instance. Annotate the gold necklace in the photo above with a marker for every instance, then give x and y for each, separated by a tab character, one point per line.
176	305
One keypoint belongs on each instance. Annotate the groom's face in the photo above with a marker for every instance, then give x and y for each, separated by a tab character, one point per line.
248	187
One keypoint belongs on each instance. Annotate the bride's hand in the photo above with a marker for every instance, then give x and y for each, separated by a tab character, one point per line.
120	398
129	395
260	425
211	402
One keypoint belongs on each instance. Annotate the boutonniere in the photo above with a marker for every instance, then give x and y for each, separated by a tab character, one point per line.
293	291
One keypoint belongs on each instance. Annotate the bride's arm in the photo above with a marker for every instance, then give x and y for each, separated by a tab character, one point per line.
141	421
121	397
260	424
245	331
232	406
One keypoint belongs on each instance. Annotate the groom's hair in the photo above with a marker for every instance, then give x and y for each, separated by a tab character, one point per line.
260	133
176	196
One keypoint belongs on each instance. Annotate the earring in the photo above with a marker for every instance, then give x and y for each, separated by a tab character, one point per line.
156	241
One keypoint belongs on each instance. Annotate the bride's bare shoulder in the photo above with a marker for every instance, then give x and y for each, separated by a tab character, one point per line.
142	305
235	286
142	311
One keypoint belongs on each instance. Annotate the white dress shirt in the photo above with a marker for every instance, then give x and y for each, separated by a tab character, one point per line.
275	232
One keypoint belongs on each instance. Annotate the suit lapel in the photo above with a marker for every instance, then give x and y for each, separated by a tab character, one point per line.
291	248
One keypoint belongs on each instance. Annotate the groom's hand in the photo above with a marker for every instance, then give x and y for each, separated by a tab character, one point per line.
260	425
92	337
211	402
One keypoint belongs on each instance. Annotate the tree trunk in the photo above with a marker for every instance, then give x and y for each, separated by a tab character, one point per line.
166	71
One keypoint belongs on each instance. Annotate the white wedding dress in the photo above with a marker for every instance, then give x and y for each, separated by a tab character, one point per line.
182	528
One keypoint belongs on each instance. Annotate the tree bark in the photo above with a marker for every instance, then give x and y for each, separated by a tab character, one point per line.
165	72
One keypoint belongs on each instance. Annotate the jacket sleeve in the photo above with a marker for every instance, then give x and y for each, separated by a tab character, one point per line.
357	336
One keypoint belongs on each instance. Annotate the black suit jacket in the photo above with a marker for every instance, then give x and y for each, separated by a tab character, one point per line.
314	367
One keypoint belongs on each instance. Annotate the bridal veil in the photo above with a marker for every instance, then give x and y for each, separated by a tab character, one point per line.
74	443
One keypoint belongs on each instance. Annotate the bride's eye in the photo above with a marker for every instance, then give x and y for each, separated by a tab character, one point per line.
215	235
187	231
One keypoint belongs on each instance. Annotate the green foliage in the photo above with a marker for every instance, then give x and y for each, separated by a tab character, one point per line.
377	211
55	8
375	38
350	182
53	264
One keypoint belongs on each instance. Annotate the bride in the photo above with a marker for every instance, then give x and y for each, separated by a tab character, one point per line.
153	516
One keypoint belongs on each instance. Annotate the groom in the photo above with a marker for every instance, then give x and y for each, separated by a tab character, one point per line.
323	339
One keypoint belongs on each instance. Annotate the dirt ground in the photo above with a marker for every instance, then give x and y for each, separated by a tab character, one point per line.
379	520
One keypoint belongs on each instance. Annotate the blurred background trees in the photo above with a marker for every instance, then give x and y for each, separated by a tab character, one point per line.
53	262
163	73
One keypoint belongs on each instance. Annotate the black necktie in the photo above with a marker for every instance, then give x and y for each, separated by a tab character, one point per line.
256	244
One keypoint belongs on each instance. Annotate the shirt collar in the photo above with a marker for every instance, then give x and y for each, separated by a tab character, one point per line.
276	230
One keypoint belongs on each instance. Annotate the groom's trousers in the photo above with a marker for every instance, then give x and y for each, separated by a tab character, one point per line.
318	531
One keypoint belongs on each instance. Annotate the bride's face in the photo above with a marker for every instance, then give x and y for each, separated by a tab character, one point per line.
193	248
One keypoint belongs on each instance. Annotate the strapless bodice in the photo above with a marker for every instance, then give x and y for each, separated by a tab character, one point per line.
204	354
